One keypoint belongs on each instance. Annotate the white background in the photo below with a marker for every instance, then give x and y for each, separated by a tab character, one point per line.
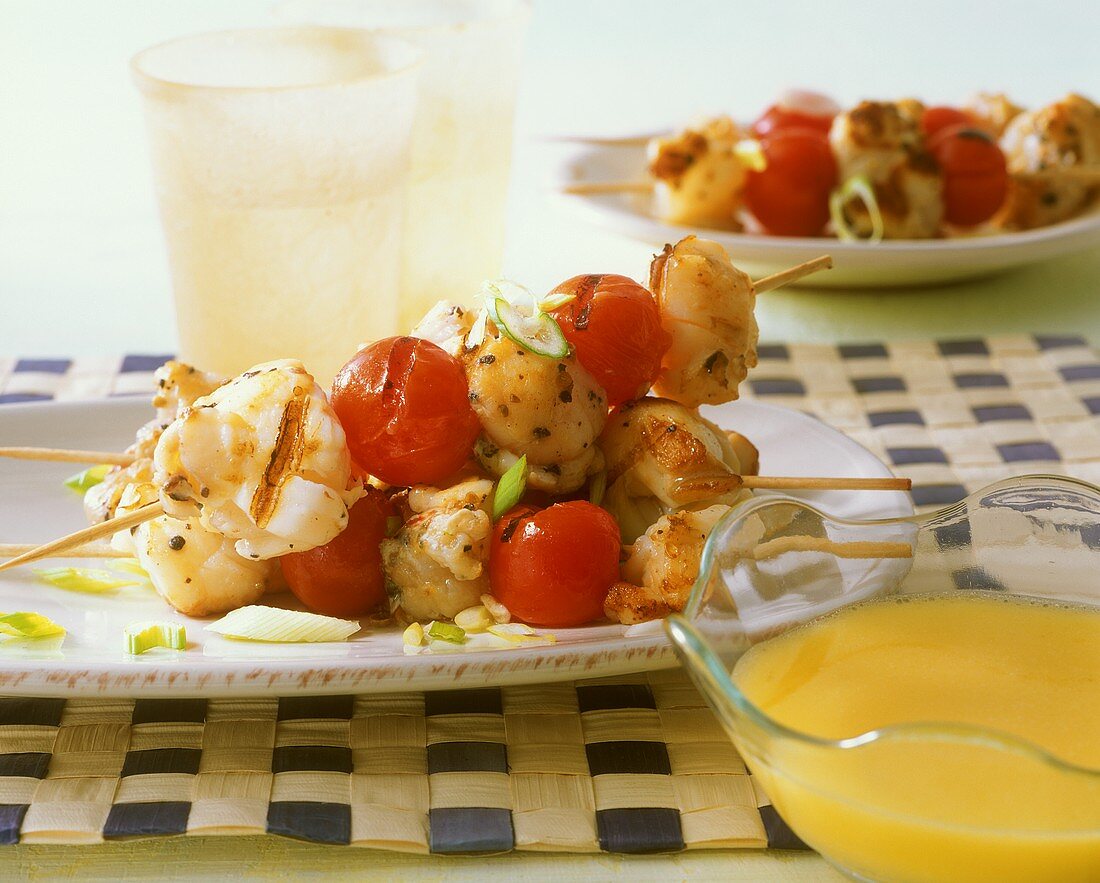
82	269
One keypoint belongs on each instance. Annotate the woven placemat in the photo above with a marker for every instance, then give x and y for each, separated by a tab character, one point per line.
630	764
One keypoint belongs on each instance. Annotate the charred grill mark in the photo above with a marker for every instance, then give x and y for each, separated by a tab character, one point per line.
510	528
286	457
673	451
657	270
585	291
692	489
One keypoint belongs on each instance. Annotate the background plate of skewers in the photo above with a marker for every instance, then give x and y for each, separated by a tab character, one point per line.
514	492
899	193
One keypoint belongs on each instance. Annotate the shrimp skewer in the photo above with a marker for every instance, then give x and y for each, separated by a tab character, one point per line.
262	459
228	477
699	175
1047	150
882	142
707	305
662	457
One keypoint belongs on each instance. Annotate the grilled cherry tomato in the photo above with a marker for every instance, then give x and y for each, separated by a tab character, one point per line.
936	118
344	576
975	178
552	567
615	327
790	197
797	110
404	405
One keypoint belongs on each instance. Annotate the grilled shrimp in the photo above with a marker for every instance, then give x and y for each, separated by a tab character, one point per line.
882	142
261	460
994	110
437	563
662	567
549	409
707	307
1062	135
661	457
699	175
196	571
446	325
101	500
178	386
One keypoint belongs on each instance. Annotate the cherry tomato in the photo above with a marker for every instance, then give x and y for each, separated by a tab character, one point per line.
777	118
615	327
936	118
552	567
404	405
975	178
344	576
800	110
790	197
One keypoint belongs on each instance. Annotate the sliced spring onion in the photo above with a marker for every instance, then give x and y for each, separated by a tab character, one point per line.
445	631
142	636
518	633
510	292
259	623
597	488
859	187
85	579
510	488
128	565
89	478
413	636
498	611
477	331
751	153
537	332
556	301
28	625
523	319
474	619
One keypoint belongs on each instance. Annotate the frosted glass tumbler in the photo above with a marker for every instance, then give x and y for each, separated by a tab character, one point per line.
280	161
462	138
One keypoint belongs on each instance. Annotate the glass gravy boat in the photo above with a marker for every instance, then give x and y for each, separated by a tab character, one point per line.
777	562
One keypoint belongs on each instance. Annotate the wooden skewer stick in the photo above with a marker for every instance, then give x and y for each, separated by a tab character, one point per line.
96	531
775	482
1083	174
604	141
858	549
88	550
778	280
61	455
582	188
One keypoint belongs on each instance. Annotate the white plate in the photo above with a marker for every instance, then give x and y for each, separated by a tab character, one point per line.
856	264
35	506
